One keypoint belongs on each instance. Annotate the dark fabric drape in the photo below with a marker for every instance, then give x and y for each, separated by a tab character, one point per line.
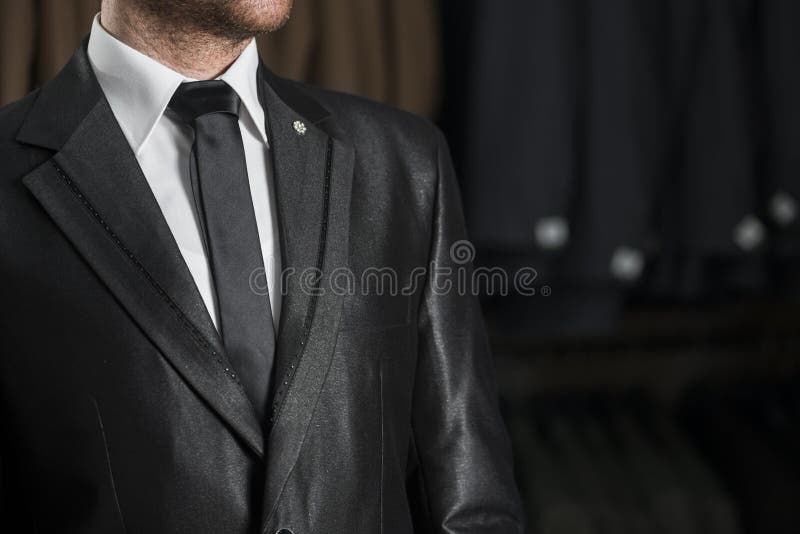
629	150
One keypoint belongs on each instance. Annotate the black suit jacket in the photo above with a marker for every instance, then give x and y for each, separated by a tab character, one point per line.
119	412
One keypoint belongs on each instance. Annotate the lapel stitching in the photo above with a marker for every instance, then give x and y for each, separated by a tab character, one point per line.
307	321
196	335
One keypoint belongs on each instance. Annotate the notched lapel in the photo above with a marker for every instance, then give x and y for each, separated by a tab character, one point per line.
95	192
313	179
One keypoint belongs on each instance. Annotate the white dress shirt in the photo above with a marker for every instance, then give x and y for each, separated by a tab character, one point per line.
138	89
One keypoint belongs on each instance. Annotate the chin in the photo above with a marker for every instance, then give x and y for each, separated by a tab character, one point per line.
253	17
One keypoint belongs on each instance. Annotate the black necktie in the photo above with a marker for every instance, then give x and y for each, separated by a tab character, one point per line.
225	209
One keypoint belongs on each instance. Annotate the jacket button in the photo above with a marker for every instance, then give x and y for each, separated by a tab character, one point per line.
749	233
284	531
552	233
627	264
783	208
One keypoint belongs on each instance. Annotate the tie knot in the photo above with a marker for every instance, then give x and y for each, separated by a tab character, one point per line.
192	100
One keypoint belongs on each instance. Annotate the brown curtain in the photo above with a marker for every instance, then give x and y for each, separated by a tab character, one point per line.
386	50
37	37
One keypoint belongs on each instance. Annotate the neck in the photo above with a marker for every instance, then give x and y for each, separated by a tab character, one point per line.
193	52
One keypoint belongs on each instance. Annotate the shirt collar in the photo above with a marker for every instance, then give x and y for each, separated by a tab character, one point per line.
139	88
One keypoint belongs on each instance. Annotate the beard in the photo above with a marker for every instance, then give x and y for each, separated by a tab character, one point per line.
233	20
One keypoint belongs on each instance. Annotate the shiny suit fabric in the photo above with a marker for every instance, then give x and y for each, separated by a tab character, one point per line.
119	412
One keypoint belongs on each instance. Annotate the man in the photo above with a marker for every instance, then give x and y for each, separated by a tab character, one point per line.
189	344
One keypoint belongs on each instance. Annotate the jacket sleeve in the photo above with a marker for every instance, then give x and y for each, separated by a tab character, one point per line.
465	477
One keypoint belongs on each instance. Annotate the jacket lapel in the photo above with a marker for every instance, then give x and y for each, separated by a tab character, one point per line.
95	192
313	170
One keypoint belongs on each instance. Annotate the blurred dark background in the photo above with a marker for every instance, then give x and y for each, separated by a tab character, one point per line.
642	157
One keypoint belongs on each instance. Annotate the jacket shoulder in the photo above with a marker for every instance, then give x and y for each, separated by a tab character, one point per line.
376	124
13	115
18	158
